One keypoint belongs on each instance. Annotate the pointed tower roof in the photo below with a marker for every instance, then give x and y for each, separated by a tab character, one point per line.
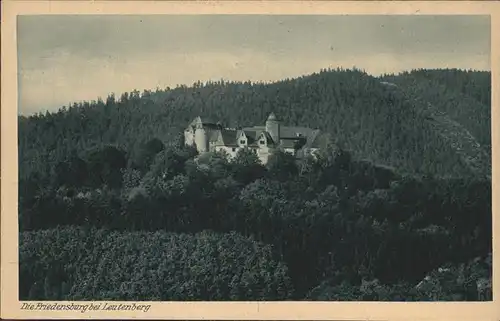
272	116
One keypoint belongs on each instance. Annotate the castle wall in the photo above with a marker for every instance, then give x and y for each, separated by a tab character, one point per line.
228	150
188	138
264	153
201	139
273	128
199	136
264	158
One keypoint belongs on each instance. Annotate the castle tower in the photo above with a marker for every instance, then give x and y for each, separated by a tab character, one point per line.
201	138
273	128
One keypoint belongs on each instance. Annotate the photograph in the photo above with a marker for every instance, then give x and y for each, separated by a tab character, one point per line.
252	158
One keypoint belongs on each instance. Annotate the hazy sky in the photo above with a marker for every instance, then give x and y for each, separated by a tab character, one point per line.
63	59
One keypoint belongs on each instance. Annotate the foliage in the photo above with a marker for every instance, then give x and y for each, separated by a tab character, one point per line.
368	218
470	282
374	121
80	264
104	166
338	214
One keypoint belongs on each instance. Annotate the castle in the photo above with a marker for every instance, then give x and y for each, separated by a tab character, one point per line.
207	135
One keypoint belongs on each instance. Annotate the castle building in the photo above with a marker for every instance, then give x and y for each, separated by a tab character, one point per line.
207	135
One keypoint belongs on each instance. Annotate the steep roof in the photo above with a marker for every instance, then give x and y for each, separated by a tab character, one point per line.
251	135
292	131
288	143
269	139
203	120
271	117
317	140
213	136
255	128
285	131
228	137
207	120
289	135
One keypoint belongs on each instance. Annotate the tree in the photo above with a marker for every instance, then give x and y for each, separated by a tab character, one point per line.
282	166
98	264
167	164
72	173
147	154
215	163
247	166
105	165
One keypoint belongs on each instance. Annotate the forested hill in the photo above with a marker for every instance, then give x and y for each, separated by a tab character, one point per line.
457	104
144	221
376	121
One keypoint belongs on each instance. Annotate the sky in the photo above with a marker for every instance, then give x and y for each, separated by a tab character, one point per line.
70	58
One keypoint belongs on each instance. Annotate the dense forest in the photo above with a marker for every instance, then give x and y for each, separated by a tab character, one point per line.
113	206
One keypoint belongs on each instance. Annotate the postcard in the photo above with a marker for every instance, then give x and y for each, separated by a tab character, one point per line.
250	160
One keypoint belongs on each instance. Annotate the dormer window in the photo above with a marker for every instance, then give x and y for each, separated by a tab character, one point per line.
262	142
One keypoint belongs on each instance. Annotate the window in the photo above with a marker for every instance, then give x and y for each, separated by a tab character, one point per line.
262	142
234	149
242	142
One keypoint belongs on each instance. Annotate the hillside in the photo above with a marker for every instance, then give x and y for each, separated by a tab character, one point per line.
363	115
457	106
112	205
331	221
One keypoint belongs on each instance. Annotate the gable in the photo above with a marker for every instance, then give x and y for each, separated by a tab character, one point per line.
250	136
262	140
291	137
241	134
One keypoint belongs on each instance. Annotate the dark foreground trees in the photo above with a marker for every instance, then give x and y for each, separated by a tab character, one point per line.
335	222
92	264
469	281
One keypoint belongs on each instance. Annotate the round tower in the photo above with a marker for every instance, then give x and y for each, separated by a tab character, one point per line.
201	138
273	127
